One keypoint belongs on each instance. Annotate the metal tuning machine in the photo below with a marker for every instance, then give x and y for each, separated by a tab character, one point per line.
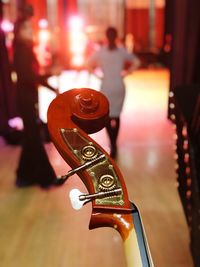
87	164
78	199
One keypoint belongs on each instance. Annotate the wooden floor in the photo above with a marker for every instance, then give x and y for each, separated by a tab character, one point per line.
39	228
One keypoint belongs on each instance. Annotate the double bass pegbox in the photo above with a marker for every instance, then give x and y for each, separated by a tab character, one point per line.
96	164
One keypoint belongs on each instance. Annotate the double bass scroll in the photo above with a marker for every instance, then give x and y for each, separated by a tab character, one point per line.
71	117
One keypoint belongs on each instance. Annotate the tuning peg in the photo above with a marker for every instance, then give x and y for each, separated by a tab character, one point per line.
78	199
74	196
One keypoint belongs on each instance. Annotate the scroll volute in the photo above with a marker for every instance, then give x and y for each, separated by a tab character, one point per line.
71	116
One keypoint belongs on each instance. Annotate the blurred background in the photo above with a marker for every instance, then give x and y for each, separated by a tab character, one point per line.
59	25
161	147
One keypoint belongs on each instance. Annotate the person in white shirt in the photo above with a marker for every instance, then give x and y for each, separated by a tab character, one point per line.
112	60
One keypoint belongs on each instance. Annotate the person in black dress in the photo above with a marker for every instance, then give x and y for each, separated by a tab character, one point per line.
34	166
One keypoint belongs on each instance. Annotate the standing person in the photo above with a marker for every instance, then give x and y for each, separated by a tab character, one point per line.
34	166
112	60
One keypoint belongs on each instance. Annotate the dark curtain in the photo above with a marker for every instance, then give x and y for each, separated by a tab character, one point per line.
185	30
6	87
183	23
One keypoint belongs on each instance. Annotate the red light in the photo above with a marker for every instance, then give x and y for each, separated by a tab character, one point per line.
76	23
78	60
44	36
77	40
7	26
43	49
43	23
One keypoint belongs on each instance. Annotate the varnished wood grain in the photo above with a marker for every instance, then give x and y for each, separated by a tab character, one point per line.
39	228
